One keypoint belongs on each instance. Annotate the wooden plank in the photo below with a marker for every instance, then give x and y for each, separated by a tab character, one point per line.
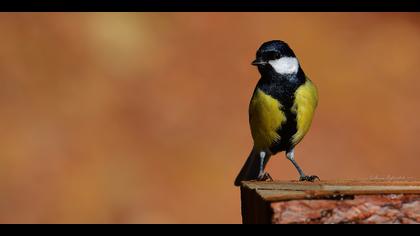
285	190
258	204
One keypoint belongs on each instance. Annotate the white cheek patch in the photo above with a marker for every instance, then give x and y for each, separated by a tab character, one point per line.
285	65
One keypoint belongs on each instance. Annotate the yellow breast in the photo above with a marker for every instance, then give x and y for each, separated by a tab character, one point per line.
306	100
265	118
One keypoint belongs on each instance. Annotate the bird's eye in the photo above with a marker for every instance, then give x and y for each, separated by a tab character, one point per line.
273	55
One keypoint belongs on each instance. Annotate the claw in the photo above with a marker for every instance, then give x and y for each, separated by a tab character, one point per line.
311	178
265	177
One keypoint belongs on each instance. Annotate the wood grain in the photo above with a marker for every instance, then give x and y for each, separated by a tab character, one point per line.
332	201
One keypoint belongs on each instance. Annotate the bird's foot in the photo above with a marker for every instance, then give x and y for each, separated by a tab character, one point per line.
265	176
310	178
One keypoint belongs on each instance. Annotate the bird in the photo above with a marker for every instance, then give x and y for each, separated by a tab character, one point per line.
281	110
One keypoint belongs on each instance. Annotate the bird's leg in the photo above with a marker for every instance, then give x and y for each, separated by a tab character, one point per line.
291	156
263	176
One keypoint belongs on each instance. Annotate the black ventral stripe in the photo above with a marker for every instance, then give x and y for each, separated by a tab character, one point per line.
211	5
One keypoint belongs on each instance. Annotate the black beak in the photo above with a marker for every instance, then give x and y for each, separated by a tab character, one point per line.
258	62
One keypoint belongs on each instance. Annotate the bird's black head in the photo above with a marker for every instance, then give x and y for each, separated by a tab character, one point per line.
276	56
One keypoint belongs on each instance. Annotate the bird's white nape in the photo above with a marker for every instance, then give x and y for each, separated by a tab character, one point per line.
285	65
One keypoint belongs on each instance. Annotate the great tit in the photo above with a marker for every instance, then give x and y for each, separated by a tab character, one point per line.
281	110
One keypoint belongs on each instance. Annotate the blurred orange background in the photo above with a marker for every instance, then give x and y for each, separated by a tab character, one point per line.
142	117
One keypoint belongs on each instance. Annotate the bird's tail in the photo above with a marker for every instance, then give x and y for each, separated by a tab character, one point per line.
251	168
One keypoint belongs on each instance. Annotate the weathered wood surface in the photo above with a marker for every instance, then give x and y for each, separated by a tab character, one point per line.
343	201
